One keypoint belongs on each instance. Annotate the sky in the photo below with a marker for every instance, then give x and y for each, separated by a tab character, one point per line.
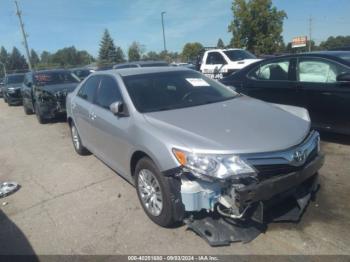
54	24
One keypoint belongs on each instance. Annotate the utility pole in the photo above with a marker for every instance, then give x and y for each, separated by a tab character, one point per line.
3	68
19	14
162	14
310	32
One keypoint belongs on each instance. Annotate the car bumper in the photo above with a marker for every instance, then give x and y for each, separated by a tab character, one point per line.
198	195
52	109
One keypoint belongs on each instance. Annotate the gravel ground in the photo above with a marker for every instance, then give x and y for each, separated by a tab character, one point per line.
70	204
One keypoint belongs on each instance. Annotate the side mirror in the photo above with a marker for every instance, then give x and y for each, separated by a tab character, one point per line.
343	77
118	108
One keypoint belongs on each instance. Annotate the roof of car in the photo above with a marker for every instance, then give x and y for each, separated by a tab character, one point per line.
50	71
143	70
142	63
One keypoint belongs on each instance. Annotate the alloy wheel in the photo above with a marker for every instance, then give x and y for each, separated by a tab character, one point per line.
150	192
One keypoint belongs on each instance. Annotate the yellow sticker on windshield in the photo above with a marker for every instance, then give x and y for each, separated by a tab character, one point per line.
197	82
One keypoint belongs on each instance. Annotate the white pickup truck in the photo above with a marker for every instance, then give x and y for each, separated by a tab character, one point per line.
218	63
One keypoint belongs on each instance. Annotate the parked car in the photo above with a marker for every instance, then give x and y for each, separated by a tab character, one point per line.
12	89
317	81
140	64
1	86
82	73
44	92
189	143
218	63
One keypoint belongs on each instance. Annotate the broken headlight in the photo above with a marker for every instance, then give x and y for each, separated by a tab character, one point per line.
215	166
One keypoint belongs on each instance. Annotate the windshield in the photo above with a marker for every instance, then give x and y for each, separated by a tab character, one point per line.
15	79
82	73
172	90
54	78
237	55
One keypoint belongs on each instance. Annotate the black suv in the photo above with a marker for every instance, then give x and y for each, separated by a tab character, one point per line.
12	89
44	92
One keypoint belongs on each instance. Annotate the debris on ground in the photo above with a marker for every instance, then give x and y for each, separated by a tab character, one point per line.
7	188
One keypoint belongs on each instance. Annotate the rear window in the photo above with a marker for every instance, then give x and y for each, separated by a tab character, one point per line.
237	55
55	78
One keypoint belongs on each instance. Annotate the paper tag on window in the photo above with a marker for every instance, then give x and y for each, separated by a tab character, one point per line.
197	82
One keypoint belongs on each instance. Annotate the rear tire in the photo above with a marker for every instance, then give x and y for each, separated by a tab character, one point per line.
151	185
78	146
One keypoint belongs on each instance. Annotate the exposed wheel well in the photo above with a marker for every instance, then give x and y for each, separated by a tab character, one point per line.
134	159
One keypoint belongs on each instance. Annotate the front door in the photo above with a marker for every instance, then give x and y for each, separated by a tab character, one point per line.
274	82
328	100
111	132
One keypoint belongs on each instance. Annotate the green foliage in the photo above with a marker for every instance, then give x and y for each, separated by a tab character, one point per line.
191	50
135	51
151	56
4	57
16	62
257	26
335	42
220	44
34	58
109	53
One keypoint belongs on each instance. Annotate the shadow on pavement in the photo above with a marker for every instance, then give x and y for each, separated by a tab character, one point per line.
335	138
12	239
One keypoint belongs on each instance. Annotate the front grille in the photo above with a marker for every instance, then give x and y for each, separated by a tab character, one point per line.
268	171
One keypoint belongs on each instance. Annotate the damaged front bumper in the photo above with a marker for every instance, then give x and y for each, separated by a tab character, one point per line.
251	207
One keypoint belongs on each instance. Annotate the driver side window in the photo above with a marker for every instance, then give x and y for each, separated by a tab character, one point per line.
215	58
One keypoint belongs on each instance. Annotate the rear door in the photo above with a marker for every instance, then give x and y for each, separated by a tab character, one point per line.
81	108
111	139
27	93
328	100
274	81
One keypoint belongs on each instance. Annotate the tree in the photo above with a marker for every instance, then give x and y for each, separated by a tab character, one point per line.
151	56
120	55
34	58
257	26
135	51
45	57
108	51
191	50
4	56
17	62
335	42
220	44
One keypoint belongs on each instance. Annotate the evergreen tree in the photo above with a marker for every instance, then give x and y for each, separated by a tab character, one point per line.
34	58
220	44
120	55
4	56
17	62
108	52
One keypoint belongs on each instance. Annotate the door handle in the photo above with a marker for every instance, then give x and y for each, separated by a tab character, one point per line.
326	93
73	105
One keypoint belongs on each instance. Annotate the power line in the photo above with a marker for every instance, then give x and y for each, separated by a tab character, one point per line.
19	14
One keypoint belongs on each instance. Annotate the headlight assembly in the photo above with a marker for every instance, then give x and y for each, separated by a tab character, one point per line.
215	166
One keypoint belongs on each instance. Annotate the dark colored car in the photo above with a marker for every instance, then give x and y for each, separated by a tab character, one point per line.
1	86
319	82
82	73
141	64
44	92
12	89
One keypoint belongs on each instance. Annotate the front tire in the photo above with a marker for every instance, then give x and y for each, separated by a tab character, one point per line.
154	193
78	146
39	115
27	110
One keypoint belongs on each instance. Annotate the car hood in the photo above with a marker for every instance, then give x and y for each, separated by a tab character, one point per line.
60	87
240	125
